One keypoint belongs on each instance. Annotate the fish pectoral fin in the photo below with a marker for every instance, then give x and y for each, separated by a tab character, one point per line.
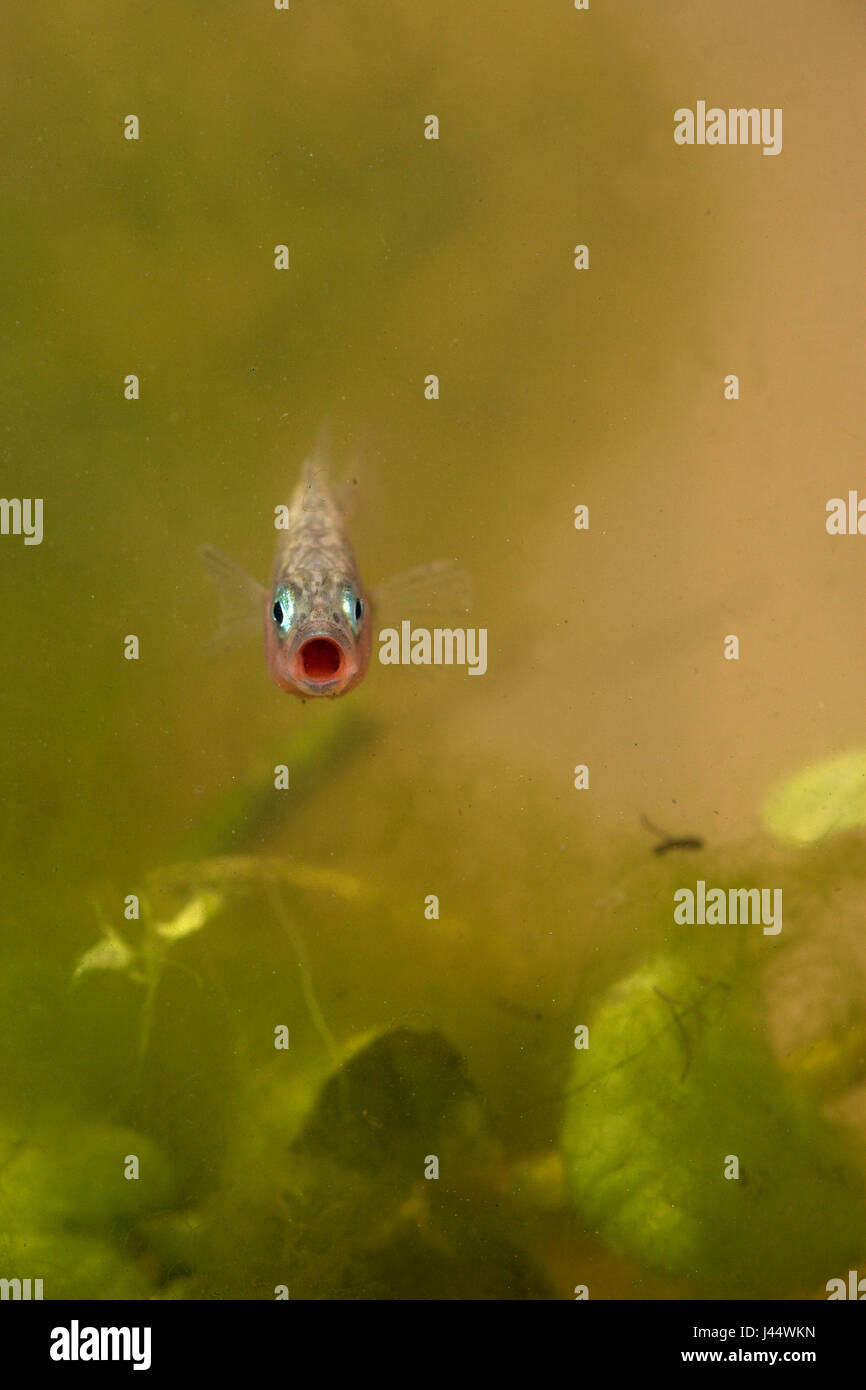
241	599
440	590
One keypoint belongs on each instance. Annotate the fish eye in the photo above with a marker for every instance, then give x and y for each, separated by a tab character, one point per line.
352	606
283	610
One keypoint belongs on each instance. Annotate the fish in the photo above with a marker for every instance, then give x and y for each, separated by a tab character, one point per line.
317	627
317	614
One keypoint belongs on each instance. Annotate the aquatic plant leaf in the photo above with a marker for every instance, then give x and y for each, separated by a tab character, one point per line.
818	800
111	953
75	1177
197	913
399	1095
75	1266
678	1077
332	1188
242	814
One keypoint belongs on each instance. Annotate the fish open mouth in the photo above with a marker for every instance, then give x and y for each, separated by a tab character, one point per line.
320	659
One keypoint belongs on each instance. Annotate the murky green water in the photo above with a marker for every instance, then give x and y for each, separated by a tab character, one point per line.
413	1037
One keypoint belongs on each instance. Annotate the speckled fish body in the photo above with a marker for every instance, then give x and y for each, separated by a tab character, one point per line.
317	613
317	617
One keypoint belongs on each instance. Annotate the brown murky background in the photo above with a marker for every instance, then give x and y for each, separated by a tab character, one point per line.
557	387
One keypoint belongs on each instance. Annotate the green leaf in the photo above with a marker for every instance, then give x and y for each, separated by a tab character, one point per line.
399	1094
819	800
111	953
73	1266
677	1078
76	1179
195	915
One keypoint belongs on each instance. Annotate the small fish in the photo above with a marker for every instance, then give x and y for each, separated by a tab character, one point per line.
318	618
317	627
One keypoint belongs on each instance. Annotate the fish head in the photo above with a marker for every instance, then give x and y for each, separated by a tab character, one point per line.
317	633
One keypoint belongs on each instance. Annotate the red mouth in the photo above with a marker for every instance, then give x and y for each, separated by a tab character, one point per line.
320	659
